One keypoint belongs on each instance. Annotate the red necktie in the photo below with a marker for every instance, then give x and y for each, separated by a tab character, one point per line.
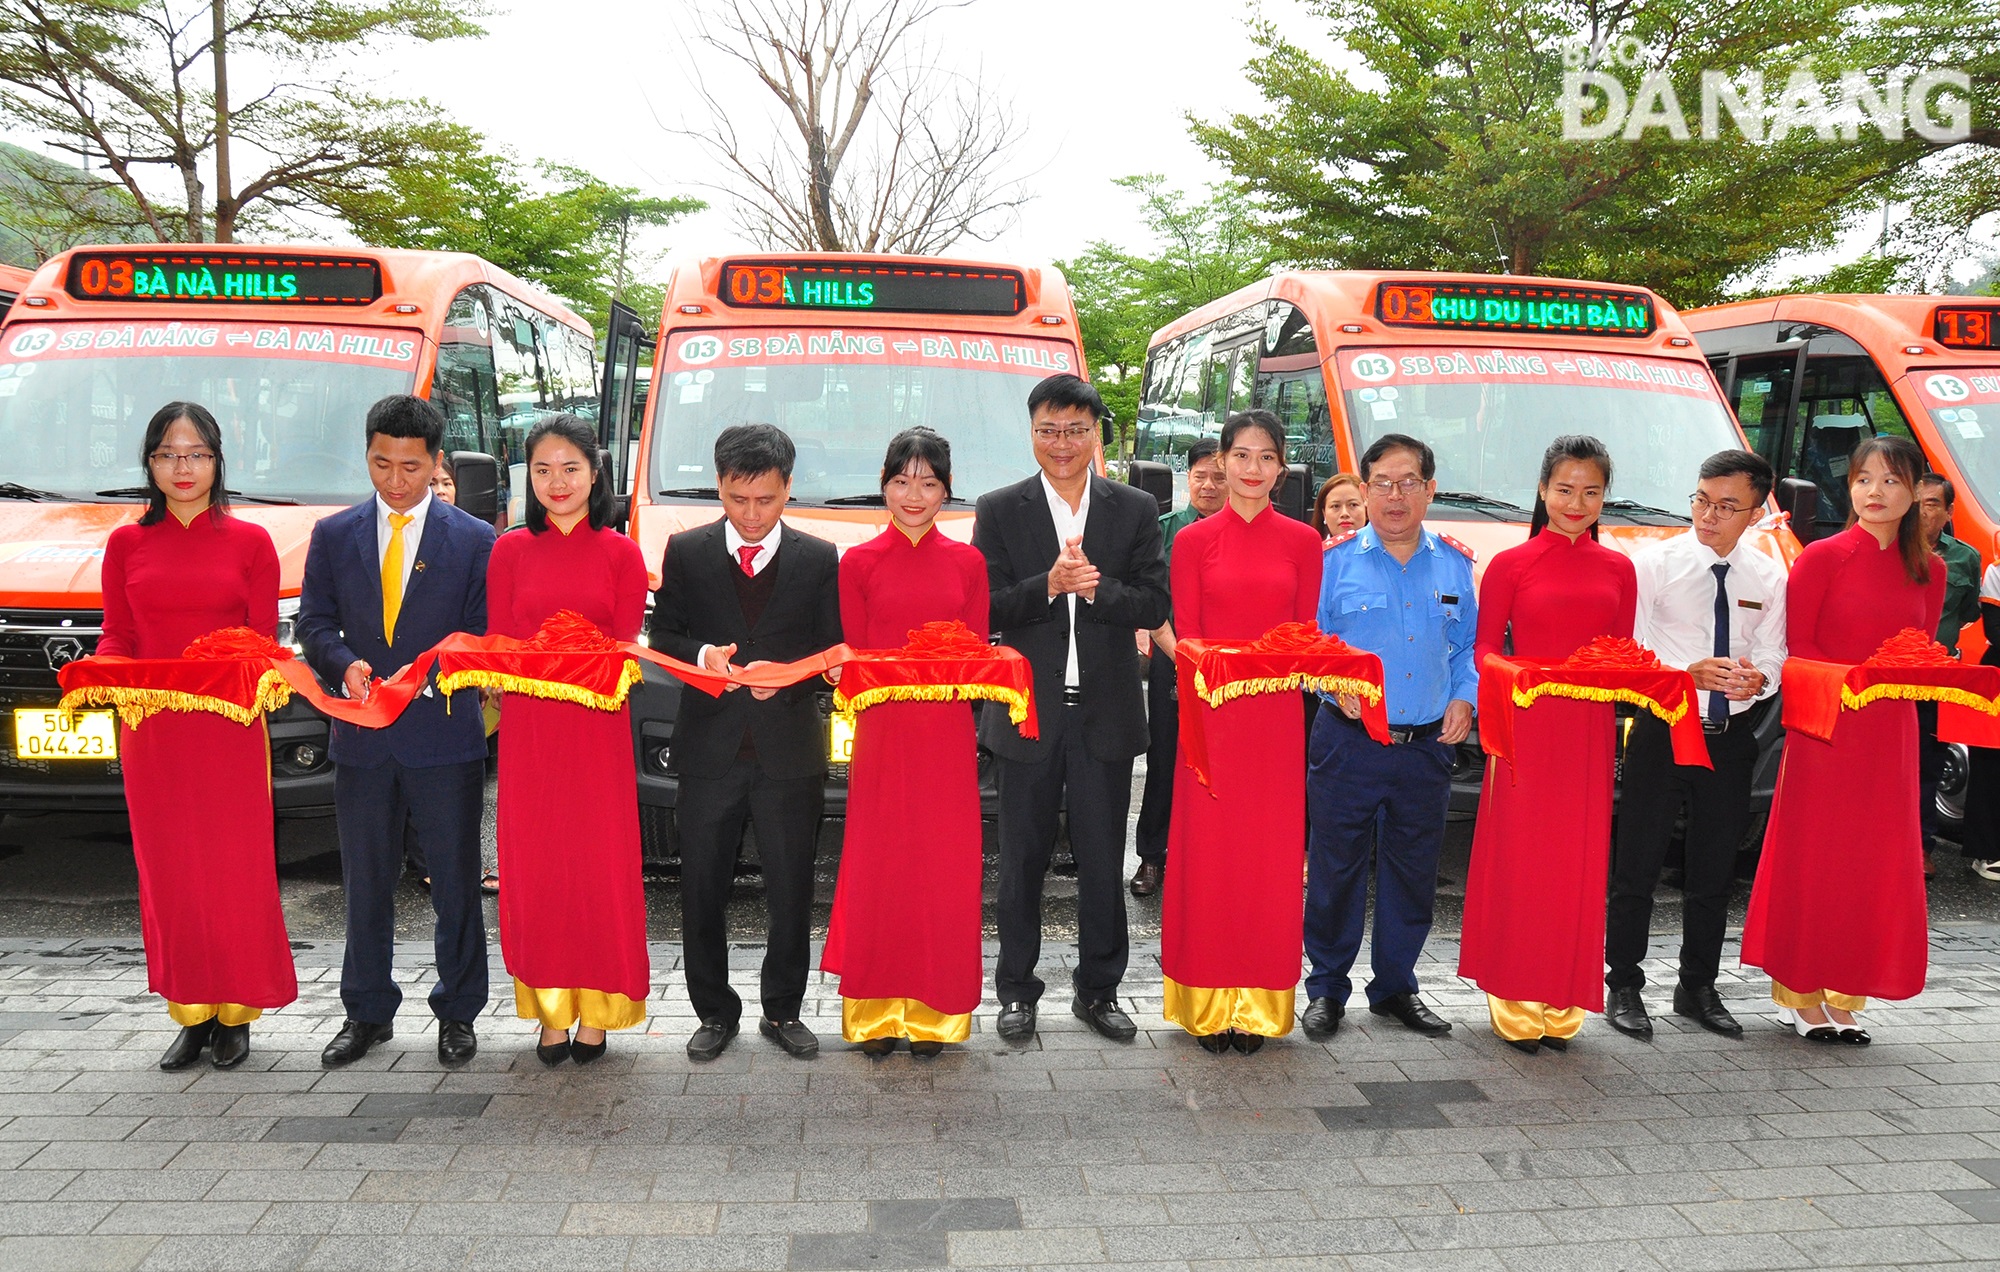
748	553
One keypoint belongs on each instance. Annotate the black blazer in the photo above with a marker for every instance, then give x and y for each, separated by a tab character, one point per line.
1121	537
697	605
340	620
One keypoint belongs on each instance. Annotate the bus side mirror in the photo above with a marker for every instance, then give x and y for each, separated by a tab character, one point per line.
1800	498
1156	480
1294	494
478	476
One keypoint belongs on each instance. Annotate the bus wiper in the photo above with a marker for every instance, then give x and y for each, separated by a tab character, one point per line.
15	490
1480	502
692	492
1633	505
864	500
126	492
263	499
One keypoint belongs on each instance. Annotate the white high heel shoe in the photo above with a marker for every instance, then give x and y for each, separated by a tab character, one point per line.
1824	1032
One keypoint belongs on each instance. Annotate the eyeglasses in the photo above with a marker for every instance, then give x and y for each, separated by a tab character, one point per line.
1703	508
1074	433
1406	487
189	459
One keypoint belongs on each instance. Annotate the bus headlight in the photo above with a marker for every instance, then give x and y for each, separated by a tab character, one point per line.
288	622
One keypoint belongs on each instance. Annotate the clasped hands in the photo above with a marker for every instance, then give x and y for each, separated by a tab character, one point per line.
1733	678
716	660
1073	572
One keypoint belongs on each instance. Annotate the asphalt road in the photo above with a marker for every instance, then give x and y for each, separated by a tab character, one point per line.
71	875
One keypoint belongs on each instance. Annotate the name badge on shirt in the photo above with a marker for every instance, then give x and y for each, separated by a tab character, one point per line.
1447	598
1756	605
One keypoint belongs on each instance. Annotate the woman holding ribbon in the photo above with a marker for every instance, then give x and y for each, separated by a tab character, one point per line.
1232	913
904	935
198	785
1838	914
1533	935
573	915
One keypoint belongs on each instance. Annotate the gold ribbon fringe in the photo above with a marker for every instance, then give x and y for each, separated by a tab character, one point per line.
1017	702
555	690
1231	690
134	705
1919	693
1596	693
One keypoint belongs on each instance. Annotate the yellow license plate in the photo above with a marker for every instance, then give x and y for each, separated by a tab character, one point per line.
840	739
50	734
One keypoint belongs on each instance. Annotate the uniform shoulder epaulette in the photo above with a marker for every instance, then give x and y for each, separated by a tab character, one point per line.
1468	553
1334	541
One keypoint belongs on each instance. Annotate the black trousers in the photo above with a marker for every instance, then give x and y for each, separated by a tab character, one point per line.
1980	839
1163	720
1031	804
1930	769
1718	804
443	804
711	814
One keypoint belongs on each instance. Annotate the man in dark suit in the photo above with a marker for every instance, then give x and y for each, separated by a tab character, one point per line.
1075	566
735	594
385	580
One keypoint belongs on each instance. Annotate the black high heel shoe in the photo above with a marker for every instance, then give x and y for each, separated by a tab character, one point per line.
553	1053
926	1050
876	1048
1215	1043
188	1045
585	1052
1555	1044
1247	1043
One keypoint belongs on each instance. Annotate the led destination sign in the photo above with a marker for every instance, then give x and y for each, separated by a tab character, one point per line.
1966	328
223	278
896	289
1518	307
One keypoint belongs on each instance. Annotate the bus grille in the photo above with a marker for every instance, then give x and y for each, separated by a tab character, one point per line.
35	643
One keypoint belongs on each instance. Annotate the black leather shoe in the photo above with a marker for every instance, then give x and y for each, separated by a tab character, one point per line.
1104	1016
926	1050
1554	1043
1146	879
353	1041
797	1040
456	1042
1528	1046
1247	1043
1704	1007
1321	1019
1017	1022
711	1038
552	1053
188	1045
876	1048
1410	1010
1214	1044
229	1046
1626	1012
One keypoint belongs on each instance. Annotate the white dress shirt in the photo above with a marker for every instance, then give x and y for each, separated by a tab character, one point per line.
413	533
1989	584
1676	617
767	553
1069	525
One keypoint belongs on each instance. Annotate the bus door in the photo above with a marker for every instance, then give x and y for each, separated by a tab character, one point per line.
618	397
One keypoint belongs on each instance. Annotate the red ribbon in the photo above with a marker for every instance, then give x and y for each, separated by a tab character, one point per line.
941	662
1608	669
1910	667
1288	658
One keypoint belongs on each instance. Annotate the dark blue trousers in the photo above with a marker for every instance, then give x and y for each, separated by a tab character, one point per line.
1367	800
443	805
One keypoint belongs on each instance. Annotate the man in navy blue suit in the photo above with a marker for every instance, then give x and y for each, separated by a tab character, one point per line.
385	580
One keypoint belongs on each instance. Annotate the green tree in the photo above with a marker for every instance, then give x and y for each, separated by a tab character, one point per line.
134	87
560	226
1449	151
1201	249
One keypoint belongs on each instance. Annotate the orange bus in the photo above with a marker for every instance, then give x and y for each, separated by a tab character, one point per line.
288	346
1487	369
842	351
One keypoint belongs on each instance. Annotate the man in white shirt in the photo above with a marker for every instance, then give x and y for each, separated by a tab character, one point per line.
1687	584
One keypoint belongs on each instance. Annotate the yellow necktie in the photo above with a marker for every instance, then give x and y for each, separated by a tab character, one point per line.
392	576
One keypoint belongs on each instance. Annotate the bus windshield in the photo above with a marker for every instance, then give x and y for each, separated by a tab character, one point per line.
291	399
1491	413
1964	406
842	396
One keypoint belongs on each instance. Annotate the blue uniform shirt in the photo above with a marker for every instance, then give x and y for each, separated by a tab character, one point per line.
1418	618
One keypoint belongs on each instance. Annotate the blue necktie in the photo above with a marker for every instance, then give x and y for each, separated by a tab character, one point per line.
1718	702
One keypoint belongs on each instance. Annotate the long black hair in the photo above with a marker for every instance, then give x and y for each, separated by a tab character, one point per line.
1570	446
578	433
210	433
1906	460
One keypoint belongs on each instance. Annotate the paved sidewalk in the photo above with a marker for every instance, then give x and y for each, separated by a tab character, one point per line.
1378	1150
